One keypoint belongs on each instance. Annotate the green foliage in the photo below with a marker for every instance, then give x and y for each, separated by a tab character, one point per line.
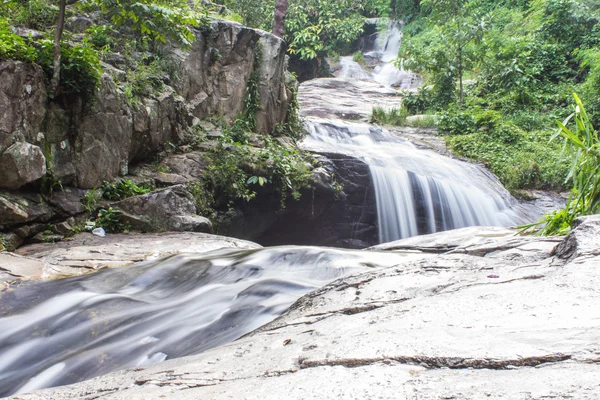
80	67
37	14
90	199
110	220
13	47
123	188
454	122
101	36
293	127
161	20
392	116
583	146
519	159
255	13
319	26
143	81
358	57
523	59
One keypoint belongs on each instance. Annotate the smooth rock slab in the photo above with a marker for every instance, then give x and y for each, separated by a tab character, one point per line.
455	326
85	253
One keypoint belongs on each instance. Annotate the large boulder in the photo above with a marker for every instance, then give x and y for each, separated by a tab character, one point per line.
323	216
22	102
171	209
20	164
18	209
215	73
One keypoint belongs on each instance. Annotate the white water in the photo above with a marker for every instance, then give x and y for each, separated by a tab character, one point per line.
418	191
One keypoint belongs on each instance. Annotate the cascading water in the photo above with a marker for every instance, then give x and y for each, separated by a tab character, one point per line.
65	331
418	191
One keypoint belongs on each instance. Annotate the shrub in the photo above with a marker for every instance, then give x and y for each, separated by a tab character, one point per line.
80	67
13	47
454	122
584	148
358	57
122	189
392	116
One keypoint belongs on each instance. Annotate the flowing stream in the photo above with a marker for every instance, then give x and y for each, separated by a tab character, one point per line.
65	331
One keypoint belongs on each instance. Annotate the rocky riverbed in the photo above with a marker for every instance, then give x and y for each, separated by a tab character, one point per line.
482	314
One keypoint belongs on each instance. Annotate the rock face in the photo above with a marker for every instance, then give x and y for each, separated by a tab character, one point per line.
83	142
85	146
171	209
346	219
216	71
22	102
512	322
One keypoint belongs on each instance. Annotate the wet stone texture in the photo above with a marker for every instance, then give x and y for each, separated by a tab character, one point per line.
489	315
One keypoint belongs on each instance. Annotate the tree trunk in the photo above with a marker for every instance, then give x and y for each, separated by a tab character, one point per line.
60	24
460	78
281	7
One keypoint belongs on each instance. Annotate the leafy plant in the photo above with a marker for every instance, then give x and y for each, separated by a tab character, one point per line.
14	47
123	188
358	58
110	220
80	67
90	199
584	147
392	116
160	20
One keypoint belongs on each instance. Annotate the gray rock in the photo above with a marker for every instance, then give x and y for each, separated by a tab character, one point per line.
79	24
68	200
16	209
451	326
103	139
85	253
324	217
273	95
215	72
170	179
64	228
20	164
22	102
44	237
10	241
171	209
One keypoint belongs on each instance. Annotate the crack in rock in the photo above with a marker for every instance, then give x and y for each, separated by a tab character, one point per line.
440	362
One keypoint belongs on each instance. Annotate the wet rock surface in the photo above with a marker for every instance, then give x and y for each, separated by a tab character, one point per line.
457	325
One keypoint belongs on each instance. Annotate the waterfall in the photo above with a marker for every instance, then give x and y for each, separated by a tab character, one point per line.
418	191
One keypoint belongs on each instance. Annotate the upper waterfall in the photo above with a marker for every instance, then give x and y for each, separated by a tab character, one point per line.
417	190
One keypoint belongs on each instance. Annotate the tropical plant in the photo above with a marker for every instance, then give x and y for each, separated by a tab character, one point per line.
581	141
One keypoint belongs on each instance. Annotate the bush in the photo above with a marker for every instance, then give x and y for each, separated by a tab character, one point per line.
454	122
392	116
80	67
122	189
358	57
110	220
13	47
